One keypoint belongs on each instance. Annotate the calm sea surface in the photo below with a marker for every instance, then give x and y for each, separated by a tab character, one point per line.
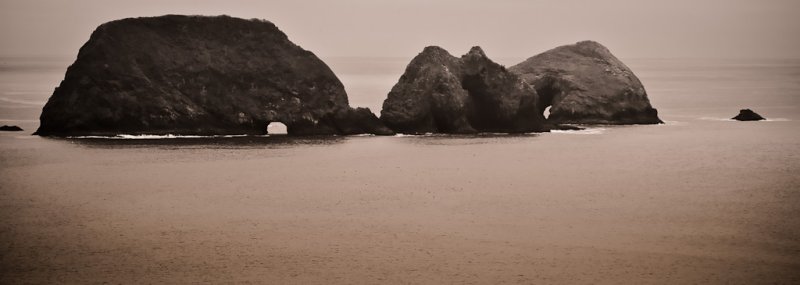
700	199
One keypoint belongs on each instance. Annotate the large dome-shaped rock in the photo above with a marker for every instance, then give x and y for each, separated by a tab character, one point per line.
440	93
198	75
585	84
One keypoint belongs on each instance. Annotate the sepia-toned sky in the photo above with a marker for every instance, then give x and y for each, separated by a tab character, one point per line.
504	28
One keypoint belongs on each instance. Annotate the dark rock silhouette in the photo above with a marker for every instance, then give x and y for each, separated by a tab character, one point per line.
748	115
10	128
199	75
440	93
585	84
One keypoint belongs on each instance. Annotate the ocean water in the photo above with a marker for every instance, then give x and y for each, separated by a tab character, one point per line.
700	199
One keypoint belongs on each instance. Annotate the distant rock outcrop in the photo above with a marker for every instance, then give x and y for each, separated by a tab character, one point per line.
748	115
440	93
199	75
10	128
584	83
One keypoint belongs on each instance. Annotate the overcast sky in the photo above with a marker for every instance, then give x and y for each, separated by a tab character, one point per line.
504	28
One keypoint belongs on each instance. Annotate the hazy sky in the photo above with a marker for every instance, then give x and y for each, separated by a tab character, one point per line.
504	28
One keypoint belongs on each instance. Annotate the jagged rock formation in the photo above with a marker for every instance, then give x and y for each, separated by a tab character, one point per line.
199	75
585	84
440	93
748	115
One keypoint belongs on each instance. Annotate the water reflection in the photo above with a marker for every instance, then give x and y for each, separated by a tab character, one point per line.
243	142
282	141
466	139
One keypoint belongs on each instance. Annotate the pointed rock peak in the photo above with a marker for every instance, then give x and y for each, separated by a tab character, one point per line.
434	50
476	51
432	54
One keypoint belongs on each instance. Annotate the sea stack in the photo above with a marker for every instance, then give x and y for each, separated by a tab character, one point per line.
584	83
202	76
441	93
748	115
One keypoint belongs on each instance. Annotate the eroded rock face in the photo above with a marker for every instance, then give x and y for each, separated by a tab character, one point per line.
748	115
440	93
585	84
199	75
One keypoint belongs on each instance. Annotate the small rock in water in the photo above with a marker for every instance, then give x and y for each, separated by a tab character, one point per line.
748	115
10	128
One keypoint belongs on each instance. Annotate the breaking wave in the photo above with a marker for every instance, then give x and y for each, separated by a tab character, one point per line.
587	131
159	137
717	119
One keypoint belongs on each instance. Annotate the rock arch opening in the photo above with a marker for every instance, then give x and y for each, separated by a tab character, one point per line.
547	92
277	128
